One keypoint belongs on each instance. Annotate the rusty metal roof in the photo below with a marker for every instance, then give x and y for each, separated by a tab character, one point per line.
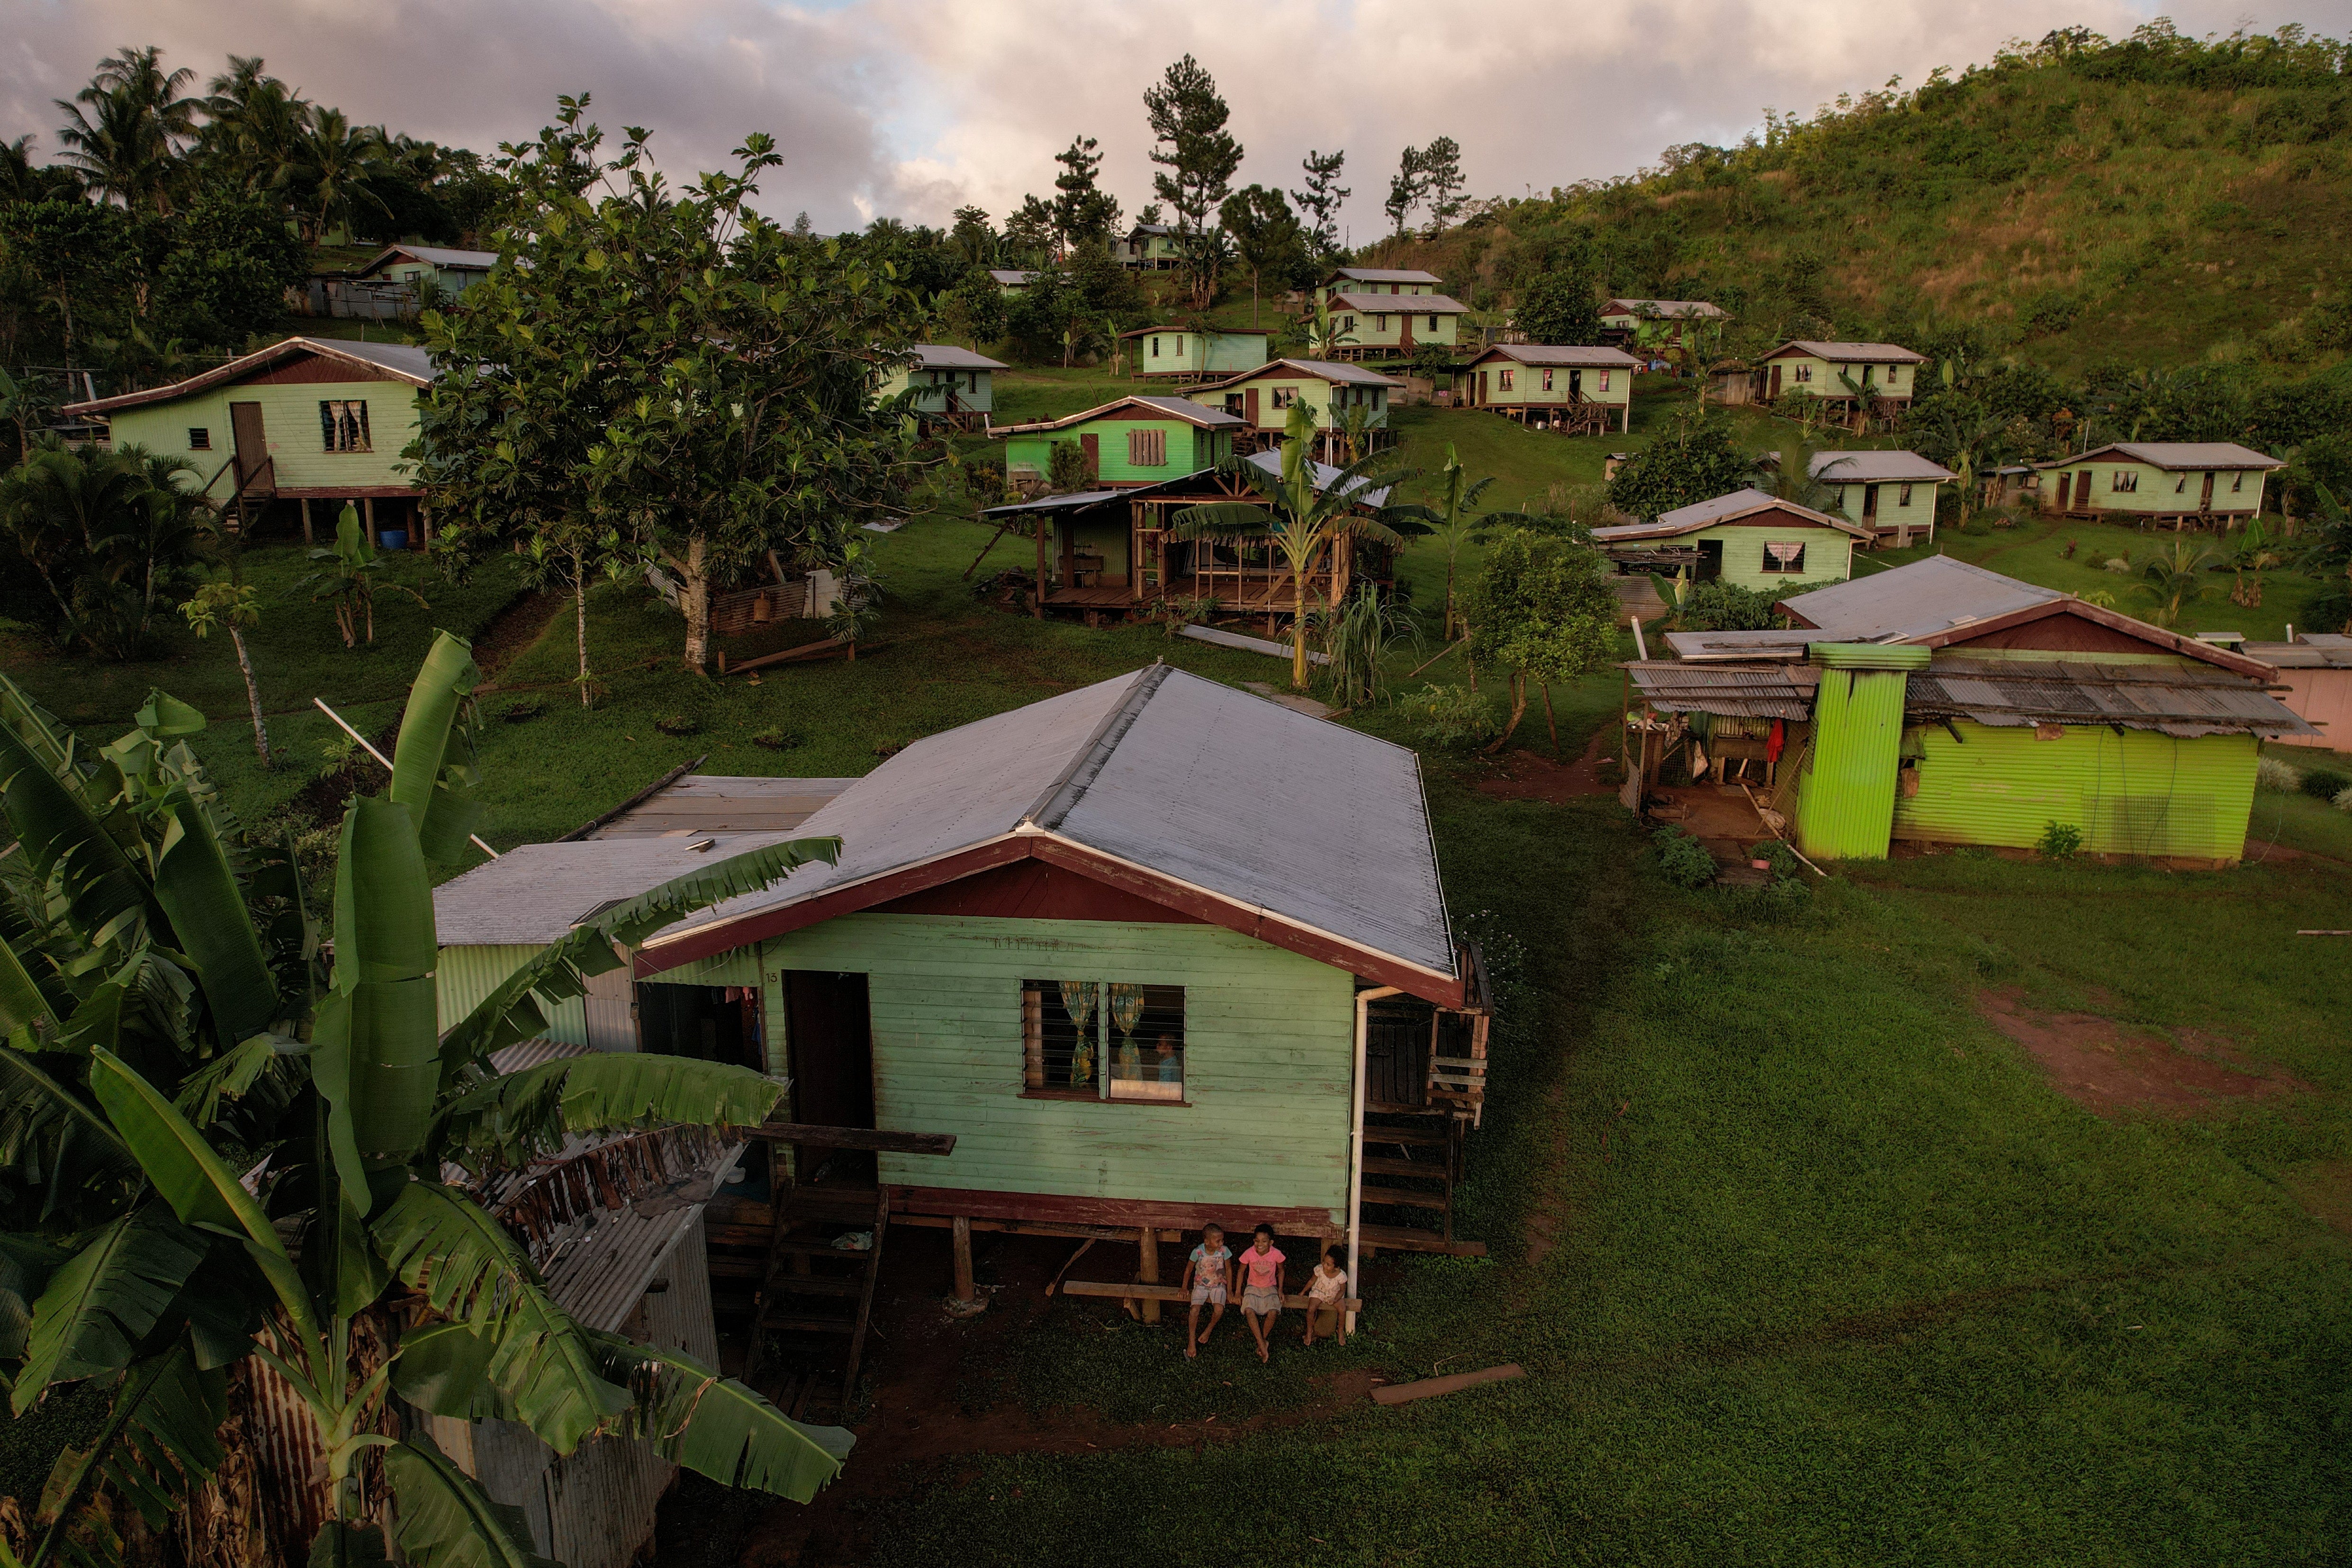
2176	455
2326	651
1743	692
1664	310
2176	699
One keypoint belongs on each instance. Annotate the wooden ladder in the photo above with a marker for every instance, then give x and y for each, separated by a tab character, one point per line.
1429	1152
797	1296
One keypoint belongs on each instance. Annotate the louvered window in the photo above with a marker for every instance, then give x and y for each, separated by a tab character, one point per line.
1147	448
1089	1040
343	424
1784	558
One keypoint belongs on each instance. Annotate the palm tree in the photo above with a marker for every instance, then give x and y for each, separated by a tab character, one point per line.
109	533
1323	331
254	123
1452	515
2174	579
1971	437
1309	512
129	143
175	1018
334	163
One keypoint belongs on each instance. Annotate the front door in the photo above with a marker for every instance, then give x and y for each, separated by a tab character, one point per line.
2083	490
1774	395
830	1035
1249	406
1576	387
2065	491
1870	503
2205	501
1710	560
252	445
1092	446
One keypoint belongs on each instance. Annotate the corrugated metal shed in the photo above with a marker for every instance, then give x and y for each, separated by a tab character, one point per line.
2176	699
1875	468
702	804
1171	773
534	893
1774	692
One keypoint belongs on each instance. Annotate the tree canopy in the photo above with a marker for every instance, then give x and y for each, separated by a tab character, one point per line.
1691	460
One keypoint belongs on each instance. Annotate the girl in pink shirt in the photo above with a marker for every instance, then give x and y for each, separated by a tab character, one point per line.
1262	1288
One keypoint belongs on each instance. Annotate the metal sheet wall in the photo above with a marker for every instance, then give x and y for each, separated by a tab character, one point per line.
2134	792
466	974
1846	805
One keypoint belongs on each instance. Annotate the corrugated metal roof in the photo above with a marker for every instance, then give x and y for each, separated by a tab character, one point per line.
946	356
437	256
1056	503
1323	475
2178	700
2323	652
1743	692
1663	309
1011	274
1918	600
601	1274
1403	304
534	893
1180	776
1384	275
1324	369
1204	331
1852	353
2172	455
1722	509
703	803
403	360
1182	408
1873	468
1565	353
1703	646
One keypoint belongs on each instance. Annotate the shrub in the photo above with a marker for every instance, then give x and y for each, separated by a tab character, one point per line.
679	725
2325	784
2052	311
523	708
2273	775
1682	859
1720	606
1783	858
1452	716
2343	801
2060	841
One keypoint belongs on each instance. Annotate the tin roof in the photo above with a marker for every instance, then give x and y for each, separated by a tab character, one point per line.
1182	408
1704	647
2187	700
1723	508
403	360
701	804
1873	468
2176	455
1382	275
1936	595
1403	304
1058	503
1143	771
1321	477
1204	331
1850	353
1664	308
2326	651
946	356
1323	369
435	255
1010	275
1564	353
1742	692
534	893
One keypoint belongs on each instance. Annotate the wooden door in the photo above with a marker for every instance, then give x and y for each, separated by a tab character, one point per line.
1249	406
2066	492
2205	501
1576	387
252	444
1774	394
1092	446
1870	503
831	1038
2083	490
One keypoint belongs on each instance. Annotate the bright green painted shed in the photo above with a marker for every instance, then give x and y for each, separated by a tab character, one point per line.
1193	352
1845	799
2132	793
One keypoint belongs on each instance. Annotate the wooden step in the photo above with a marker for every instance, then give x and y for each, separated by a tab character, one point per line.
818	1247
1402	1238
856	1204
1406	1198
1430	1169
1417	1137
799	1324
815	1285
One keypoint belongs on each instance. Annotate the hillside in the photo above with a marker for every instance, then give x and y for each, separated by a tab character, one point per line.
2154	203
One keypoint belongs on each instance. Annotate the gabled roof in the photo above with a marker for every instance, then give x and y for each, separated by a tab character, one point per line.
1381	275
1663	309
1321	476
533	894
2325	651
1850	353
946	356
1074	500
1134	780
1939	600
1182	408
2175	455
1320	369
1010	275
435	255
1562	354
1150	228
1875	468
1403	304
403	360
1204	331
1724	509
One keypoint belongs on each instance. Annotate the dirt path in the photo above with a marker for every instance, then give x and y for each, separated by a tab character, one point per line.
2110	1067
1529	775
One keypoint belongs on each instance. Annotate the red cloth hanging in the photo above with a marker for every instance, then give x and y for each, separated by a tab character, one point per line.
1780	738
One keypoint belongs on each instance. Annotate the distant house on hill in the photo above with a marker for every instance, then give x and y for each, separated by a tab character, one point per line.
1943	703
1746	538
1891	493
1193	353
2179	482
1390	326
1264	396
1378	280
1012	279
953	386
1129	441
1150	246
304	419
1580	390
1862	379
432	272
1624	321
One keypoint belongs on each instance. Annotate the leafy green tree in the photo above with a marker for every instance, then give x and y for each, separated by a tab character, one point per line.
1266	235
1442	181
1559	308
230	605
74	253
1198	155
1720	606
1322	199
1408	188
974	310
672	365
1542	612
1083	213
1306	511
173	1015
226	267
1691	460
113	536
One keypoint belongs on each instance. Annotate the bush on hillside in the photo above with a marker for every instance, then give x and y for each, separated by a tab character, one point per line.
1682	859
2325	784
1692	460
1721	607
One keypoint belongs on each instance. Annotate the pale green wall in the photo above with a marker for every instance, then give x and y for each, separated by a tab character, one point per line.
2132	793
1312	390
1188	449
1527	388
290	419
1398	290
932	387
466	974
1887	380
2158	491
1369	334
1269	1040
1198	353
1828	554
1892	511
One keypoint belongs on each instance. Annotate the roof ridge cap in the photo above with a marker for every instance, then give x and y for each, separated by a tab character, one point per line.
1069	786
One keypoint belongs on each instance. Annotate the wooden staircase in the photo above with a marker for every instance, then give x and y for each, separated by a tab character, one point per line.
1412	1165
812	1290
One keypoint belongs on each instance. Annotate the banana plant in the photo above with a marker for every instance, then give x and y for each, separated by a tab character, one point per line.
167	1001
1451	514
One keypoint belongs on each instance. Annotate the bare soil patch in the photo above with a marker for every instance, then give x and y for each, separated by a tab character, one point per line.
1529	775
2110	1067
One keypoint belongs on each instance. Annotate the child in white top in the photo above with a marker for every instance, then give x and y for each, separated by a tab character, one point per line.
1326	1288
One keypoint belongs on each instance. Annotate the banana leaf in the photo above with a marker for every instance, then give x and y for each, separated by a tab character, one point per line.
518	1115
432	764
161	1437
36	728
342	1544
56	1143
26	1264
444	1520
543	1365
517	1009
445	1370
719	1427
105	1299
65	843
384	957
199	893
25	1003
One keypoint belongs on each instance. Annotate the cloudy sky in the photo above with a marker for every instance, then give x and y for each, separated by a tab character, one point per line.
915	107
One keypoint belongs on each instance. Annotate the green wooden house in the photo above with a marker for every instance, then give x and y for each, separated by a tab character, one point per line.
1390	326
432	274
953	386
1870	380
1749	537
1647	322
304	420
1135	1008
1139	440
1583	391
1942	703
1378	280
2178	482
1150	247
1891	493
1012	279
1264	396
1192	354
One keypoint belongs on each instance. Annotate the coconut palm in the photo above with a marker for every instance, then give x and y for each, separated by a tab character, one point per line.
128	146
254	123
1452	515
1308	511
173	1016
333	166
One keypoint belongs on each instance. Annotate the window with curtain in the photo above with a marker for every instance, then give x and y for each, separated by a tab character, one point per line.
1784	556
1102	1040
343	424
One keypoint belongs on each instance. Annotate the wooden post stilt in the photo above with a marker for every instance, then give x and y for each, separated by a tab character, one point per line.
1147	1242
367	516
306	521
965	1290
1038	609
